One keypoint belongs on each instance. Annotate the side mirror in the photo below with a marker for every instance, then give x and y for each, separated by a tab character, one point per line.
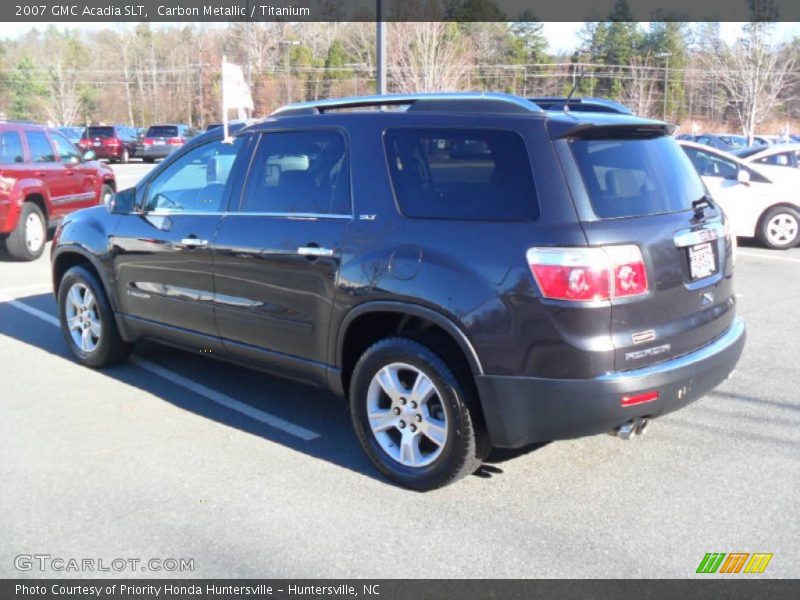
122	202
89	155
743	176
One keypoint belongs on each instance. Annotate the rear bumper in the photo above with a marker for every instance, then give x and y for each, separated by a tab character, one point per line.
158	151
106	151
524	410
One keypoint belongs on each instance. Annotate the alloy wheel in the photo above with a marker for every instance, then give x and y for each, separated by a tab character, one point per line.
782	229
407	415
83	318
34	232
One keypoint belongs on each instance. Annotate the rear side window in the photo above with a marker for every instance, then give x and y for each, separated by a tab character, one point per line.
299	172
159	131
99	132
10	148
461	174
636	177
40	148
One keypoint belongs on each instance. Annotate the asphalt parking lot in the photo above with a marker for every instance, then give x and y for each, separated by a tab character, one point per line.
175	455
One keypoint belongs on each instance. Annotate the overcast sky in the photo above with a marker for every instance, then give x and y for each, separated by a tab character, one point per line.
561	36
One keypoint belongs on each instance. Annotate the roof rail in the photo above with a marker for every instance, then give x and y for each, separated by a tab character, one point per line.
449	101
581	104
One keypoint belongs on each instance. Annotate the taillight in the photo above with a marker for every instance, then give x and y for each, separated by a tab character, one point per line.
589	274
175	141
634	399
148	141
113	142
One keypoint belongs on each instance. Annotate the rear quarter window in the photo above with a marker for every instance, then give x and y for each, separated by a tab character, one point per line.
636	177
10	148
461	174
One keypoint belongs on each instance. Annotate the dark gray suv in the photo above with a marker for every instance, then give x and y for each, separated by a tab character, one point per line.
468	270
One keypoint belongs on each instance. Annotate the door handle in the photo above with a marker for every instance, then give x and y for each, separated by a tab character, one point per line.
193	242
314	251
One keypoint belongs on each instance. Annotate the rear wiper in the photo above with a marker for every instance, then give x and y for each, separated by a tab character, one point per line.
702	203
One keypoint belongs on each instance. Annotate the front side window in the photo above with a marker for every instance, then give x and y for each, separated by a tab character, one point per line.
64	148
461	174
299	172
10	148
40	148
196	181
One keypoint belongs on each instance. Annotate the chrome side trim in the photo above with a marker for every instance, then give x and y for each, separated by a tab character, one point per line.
72	198
691	237
727	339
169	213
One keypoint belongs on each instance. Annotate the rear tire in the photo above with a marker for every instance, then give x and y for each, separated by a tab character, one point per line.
87	321
29	237
421	441
125	157
148	159
779	228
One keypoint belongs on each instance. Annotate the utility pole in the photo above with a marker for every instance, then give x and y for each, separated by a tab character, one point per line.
380	49
665	56
288	59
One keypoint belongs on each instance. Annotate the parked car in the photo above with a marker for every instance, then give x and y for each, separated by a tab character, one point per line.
756	204
161	140
778	161
117	143
573	281
73	134
43	178
722	141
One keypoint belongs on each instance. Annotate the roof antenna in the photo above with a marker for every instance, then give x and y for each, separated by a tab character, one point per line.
572	91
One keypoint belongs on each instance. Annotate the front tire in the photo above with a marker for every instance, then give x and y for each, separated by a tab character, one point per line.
27	240
412	415
87	321
779	228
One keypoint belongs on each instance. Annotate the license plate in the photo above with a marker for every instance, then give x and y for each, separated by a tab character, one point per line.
96	144
701	261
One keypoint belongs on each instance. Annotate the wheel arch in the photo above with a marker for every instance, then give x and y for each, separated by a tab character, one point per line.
374	320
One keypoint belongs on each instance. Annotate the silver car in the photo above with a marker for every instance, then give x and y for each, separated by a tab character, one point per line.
162	140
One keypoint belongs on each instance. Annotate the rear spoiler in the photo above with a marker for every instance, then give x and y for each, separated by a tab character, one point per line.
588	131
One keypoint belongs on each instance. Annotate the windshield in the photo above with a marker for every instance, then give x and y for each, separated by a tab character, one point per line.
99	132
636	177
159	131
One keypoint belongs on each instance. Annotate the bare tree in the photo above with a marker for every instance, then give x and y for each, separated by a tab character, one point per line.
427	57
752	72
639	90
65	105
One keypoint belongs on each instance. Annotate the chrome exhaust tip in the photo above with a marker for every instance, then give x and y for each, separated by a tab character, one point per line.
628	430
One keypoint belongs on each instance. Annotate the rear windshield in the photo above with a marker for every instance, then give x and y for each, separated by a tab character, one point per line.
158	131
631	178
99	132
461	174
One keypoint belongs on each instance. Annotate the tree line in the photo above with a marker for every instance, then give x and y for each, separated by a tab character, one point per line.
683	72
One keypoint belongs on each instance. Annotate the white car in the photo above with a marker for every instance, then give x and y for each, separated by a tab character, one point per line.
779	161
756	204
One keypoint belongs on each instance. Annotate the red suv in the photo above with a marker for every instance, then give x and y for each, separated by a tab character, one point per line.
43	177
117	143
